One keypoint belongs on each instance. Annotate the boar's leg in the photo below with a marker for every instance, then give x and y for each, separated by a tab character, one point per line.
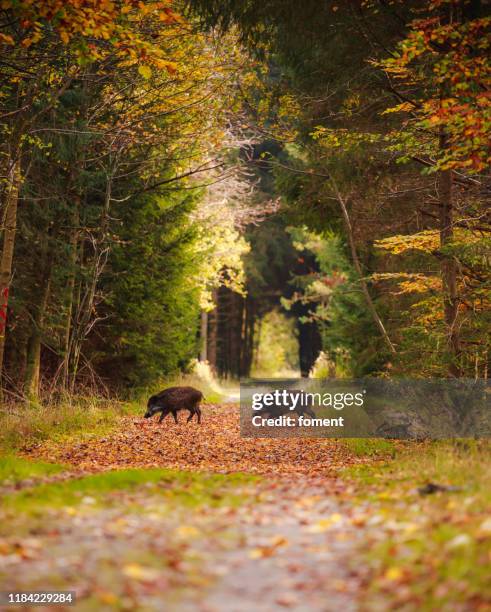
191	414
163	415
198	412
174	414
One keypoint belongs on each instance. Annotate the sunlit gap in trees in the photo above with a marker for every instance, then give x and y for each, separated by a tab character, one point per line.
276	353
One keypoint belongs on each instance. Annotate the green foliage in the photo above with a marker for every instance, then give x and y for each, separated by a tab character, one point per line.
109	265
348	334
334	96
423	349
277	347
153	291
270	261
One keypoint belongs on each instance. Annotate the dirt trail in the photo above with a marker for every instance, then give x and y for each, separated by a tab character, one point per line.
290	545
296	554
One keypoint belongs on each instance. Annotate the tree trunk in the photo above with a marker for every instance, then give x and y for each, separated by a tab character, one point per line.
33	363
247	338
84	316
203	355
71	291
212	335
238	334
449	266
11	199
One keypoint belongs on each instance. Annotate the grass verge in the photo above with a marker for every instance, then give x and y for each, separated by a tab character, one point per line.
367	447
178	488
22	425
15	469
428	552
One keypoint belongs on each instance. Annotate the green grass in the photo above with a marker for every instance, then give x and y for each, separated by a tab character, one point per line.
437	555
464	463
182	488
367	447
24	424
15	469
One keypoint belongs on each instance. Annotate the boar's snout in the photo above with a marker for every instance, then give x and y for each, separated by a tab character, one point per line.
151	410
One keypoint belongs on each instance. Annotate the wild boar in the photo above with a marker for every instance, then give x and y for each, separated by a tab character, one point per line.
172	400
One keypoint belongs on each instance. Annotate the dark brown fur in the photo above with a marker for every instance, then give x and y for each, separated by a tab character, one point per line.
173	399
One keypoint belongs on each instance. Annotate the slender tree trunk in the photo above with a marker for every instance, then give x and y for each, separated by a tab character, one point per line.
238	333
245	347
203	355
71	291
256	342
231	333
33	361
223	332
11	199
251	313
85	317
449	266
212	333
74	324
234	346
356	262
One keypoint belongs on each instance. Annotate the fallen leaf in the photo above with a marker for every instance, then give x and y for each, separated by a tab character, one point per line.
326	523
394	574
140	572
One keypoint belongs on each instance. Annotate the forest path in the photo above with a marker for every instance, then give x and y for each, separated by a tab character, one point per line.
210	522
215	446
296	552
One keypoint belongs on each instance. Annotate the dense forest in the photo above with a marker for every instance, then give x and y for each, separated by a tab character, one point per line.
293	195
171	174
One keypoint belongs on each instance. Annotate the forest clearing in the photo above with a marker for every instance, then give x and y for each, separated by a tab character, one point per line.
212	214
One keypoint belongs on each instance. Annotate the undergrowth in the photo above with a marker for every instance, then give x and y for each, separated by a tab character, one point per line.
433	549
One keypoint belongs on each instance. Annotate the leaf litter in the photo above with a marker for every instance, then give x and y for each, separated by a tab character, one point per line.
299	539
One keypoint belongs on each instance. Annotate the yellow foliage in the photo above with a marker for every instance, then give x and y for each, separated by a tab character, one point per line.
427	241
410	282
